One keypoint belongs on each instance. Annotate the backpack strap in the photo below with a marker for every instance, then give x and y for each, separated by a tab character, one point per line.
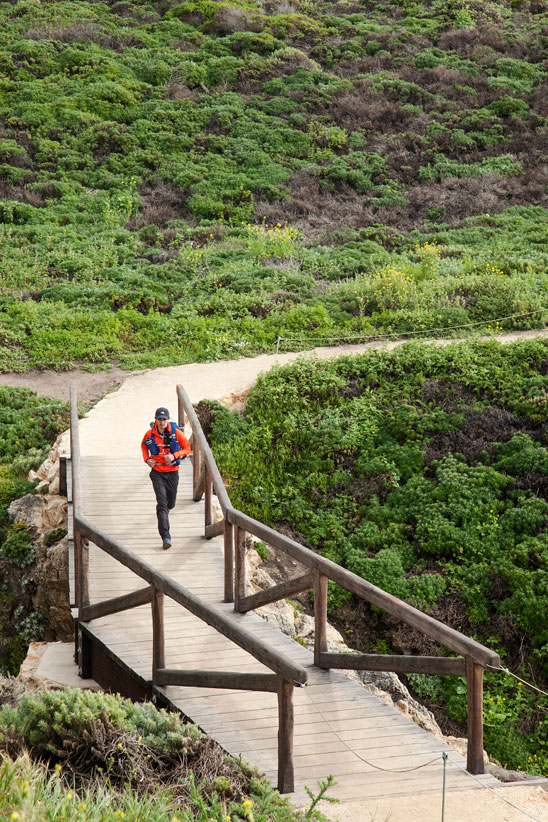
174	444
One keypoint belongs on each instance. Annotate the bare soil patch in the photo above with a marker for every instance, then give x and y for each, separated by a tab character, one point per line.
90	385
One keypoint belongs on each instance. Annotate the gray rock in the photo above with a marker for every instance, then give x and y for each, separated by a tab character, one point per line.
28	510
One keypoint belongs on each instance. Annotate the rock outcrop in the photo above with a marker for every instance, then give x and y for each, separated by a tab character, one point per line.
44	582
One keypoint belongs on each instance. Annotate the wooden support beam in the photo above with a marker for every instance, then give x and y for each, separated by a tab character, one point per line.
239	564
199	485
474	682
215	529
320	617
76	546
196	466
158	639
286	724
208	492
217	679
62	476
114	606
81	567
202	444
281	591
180	413
83	654
229	561
84	567
437	665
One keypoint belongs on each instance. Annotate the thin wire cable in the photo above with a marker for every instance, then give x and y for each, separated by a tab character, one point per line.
418	767
376	767
371	337
515	676
487	788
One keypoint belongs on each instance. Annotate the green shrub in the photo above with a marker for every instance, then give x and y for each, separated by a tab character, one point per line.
17	548
43	722
54	536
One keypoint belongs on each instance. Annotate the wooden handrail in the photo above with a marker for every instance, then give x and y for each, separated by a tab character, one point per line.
436	630
270	657
218	484
75	452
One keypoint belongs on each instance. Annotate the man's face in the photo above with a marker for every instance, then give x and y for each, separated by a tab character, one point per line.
162	425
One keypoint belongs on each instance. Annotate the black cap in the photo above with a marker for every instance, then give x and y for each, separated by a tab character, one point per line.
161	414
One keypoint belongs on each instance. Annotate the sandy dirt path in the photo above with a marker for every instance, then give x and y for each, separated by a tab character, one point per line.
460	806
241	374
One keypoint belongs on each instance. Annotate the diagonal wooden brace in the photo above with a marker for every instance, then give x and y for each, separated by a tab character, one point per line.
281	591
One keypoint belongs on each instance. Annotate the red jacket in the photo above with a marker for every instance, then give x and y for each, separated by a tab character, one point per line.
160	458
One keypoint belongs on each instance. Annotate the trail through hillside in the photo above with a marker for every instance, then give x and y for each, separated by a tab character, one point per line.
115	425
231	376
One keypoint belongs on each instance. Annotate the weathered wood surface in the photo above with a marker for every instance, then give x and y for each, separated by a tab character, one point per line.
337	723
446	636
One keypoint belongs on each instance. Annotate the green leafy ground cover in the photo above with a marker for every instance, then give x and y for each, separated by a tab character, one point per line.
95	757
424	471
28	427
142	144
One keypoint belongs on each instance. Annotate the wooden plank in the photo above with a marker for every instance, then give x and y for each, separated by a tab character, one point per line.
114	606
277	592
437	665
218	679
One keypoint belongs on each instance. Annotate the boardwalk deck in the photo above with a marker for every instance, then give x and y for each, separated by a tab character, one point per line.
340	728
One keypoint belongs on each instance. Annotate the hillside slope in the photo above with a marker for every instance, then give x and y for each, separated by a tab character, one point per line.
185	181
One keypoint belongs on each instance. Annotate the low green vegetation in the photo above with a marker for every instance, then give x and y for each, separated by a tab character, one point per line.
95	757
28	426
424	471
184	182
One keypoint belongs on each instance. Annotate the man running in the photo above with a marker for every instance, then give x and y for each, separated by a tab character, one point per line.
164	446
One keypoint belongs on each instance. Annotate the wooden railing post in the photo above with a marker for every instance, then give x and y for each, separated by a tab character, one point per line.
158	638
320	616
239	564
81	570
208	490
474	683
77	569
229	561
180	414
195	468
286	722
63	476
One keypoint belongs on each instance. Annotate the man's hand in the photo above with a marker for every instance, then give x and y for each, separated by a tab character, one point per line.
150	462
170	458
